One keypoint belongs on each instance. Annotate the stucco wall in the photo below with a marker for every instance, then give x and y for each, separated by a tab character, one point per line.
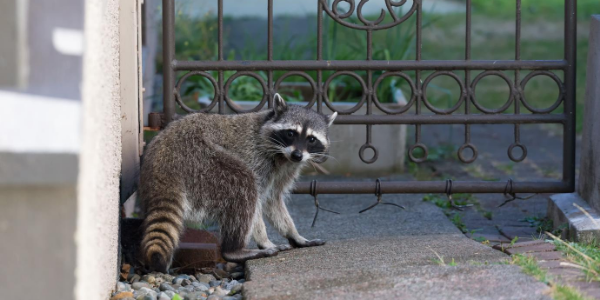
100	158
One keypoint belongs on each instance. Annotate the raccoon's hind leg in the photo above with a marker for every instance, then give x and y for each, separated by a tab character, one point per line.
238	205
162	227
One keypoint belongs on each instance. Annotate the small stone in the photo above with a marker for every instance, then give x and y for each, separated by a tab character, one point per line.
196	296
167	277
166	287
237	275
215	283
206	278
220	274
214	297
149	278
163	296
133	278
192	278
123	287
140	284
230	266
183	276
201	286
122	295
211	290
182	281
229	298
146	297
219	291
171	294
236	289
221	266
187	289
242	280
147	291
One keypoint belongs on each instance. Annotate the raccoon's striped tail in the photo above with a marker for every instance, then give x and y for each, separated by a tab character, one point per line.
162	227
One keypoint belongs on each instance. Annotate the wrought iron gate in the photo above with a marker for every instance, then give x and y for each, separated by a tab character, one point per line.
417	99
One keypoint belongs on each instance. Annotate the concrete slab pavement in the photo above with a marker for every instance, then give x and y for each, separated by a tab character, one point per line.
385	253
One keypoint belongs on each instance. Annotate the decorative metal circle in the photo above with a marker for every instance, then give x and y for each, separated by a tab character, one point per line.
461	154
253	75
458	103
412	93
361	153
511	155
368	25
561	91
511	95
183	79
358	105
305	76
414	147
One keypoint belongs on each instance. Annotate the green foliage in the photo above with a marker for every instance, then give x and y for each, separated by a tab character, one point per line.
442	201
586	255
537	9
530	267
458	222
541	224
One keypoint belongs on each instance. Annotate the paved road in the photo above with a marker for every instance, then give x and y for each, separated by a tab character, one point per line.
385	253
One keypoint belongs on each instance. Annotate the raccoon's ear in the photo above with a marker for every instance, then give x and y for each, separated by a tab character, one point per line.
279	104
331	118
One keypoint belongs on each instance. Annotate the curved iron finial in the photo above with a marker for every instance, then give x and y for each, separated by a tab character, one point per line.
313	192
511	195
378	194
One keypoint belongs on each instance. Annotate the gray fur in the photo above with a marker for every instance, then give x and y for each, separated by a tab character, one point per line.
226	168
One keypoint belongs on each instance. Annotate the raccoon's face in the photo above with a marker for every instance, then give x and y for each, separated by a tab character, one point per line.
297	133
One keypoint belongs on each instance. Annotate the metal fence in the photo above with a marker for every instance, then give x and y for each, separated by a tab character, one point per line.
417	99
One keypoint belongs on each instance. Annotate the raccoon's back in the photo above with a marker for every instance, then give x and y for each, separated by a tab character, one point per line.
175	158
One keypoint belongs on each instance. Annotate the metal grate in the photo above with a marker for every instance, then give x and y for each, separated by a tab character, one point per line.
417	99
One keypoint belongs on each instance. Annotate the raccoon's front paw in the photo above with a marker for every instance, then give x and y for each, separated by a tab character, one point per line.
283	247
306	243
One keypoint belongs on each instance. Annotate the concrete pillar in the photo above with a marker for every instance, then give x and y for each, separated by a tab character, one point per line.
589	172
561	207
100	157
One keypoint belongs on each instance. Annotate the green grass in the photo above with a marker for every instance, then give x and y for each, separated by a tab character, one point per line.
530	267
585	255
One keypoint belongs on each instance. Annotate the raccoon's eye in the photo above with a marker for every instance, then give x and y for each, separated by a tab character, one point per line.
290	133
312	139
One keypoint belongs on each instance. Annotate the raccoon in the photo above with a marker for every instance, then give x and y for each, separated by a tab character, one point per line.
232	169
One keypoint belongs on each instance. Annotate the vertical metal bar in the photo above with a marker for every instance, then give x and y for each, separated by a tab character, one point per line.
221	95
271	88
570	77
518	96
168	58
418	73
467	72
369	74
320	89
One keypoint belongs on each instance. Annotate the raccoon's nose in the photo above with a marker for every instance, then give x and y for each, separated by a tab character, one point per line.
296	156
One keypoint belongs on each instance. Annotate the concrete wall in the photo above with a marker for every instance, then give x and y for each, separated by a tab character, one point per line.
100	158
37	225
589	173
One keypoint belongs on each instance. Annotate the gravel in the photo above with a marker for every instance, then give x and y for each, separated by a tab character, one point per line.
224	282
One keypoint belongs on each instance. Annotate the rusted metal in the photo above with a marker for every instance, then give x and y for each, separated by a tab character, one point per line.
412	113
